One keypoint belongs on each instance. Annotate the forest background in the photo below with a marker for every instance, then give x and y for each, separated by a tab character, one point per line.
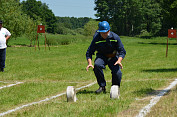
144	18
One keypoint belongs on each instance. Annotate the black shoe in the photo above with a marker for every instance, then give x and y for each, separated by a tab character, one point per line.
2	69
101	89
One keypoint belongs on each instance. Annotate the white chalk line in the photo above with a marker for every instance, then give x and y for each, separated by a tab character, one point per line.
10	85
47	99
3	82
153	101
142	112
86	86
6	82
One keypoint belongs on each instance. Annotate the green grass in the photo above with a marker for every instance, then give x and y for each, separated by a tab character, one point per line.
168	103
47	73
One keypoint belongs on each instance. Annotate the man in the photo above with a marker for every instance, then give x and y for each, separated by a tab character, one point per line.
4	36
110	51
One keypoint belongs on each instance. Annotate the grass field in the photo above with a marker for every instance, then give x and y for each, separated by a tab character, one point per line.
48	73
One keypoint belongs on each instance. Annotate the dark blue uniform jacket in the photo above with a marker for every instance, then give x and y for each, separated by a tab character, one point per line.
106	46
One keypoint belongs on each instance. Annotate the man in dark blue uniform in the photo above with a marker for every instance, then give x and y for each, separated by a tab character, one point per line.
110	51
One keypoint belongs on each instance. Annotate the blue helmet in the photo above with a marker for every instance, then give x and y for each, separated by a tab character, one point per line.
103	26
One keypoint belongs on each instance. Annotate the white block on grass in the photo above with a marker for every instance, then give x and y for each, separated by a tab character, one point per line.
114	92
71	94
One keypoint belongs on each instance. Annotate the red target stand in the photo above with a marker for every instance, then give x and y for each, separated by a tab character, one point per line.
40	29
171	34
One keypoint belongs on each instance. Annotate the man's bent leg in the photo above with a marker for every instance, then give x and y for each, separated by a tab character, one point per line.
116	72
98	70
116	77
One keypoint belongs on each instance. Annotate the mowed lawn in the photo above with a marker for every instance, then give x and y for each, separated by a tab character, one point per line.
47	73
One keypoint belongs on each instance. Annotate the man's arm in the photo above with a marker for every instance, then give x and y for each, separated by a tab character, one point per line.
121	52
7	37
89	64
90	52
8	34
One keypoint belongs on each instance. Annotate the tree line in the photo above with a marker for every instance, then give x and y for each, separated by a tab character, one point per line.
126	17
71	25
22	18
133	17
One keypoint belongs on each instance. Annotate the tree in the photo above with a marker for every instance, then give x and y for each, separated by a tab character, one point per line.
16	21
102	8
169	8
71	25
38	10
130	17
73	22
10	13
90	28
31	29
151	14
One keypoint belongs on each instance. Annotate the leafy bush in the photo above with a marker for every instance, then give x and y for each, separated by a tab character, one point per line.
145	34
64	39
90	28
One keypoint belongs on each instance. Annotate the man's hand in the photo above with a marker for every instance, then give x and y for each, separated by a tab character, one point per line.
89	64
118	62
89	67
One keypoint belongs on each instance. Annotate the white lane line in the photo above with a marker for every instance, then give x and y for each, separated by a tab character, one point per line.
86	86
5	82
153	101
47	99
11	85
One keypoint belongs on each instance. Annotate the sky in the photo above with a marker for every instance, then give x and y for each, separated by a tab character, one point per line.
71	8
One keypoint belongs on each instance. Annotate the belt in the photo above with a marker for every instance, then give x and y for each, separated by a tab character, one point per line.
110	55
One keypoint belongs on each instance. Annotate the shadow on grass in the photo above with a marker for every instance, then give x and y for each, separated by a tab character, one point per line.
143	91
161	70
157	43
91	92
85	92
20	45
151	92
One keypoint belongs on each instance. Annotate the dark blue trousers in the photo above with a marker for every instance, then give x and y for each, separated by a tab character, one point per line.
100	63
2	57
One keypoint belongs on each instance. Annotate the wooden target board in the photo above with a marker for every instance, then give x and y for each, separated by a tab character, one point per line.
40	29
171	33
